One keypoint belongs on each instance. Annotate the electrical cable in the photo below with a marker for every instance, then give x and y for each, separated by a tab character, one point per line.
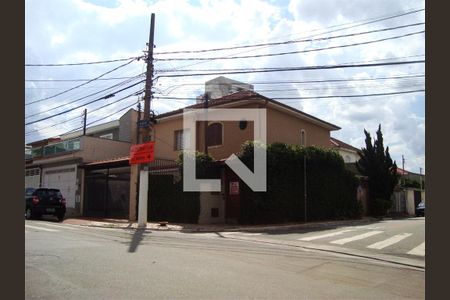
313	97
291	52
83	63
285	69
278	43
75	87
82	105
84	97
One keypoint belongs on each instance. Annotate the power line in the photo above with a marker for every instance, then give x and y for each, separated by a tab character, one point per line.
365	22
82	105
101	119
335	85
270	68
75	87
315	97
83	63
84	97
285	69
292	52
74	80
293	41
96	109
313	81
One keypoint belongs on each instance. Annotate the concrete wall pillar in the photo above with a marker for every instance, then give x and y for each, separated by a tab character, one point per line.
134	171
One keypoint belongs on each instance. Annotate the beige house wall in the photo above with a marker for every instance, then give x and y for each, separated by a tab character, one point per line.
207	202
286	128
93	149
281	127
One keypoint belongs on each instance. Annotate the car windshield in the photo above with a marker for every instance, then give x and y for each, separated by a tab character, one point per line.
29	191
54	193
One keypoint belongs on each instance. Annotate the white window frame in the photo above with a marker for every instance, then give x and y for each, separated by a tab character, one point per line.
303	138
108	136
182	142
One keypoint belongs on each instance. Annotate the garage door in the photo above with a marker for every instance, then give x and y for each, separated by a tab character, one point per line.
64	179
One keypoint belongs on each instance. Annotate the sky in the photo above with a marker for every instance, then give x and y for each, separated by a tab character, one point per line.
320	32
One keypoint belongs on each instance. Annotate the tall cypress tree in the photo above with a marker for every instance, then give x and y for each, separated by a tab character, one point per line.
376	163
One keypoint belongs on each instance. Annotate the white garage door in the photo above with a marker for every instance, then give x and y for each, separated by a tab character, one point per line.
62	178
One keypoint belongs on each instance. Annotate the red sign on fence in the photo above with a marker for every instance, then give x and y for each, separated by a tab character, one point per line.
142	153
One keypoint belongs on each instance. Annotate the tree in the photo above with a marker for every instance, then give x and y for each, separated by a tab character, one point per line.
376	163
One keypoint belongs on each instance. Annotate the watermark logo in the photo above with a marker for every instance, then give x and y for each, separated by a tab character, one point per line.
255	180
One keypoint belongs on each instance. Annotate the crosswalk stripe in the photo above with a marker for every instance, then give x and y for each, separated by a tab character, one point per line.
316	237
419	250
60	226
356	237
390	241
41	228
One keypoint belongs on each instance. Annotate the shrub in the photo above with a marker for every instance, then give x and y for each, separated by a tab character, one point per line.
331	189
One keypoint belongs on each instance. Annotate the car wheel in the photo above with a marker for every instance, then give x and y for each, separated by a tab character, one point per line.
60	217
29	214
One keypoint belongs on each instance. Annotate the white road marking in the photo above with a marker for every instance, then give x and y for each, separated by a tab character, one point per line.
419	250
316	237
41	228
59	226
390	241
356	237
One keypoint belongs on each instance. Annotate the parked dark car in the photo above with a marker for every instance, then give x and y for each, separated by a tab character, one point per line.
44	201
420	209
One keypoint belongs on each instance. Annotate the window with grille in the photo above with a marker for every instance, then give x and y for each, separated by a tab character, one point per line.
303	138
181	139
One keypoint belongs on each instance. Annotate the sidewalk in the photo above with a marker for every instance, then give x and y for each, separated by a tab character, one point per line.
125	224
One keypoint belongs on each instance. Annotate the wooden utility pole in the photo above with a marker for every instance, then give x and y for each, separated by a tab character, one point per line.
205	105
84	121
403	167
420	178
145	135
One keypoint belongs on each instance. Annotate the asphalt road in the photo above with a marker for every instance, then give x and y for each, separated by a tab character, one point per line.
401	240
73	262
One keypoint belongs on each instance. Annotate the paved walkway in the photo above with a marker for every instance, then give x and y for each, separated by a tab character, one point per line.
122	223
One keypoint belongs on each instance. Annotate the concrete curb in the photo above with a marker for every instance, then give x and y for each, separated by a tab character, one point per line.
192	228
402	261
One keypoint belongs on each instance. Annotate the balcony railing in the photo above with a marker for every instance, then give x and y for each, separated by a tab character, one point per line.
57	148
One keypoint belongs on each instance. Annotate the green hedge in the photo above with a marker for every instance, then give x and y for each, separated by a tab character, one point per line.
168	202
331	189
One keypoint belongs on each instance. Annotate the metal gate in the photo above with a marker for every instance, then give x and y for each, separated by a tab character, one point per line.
107	193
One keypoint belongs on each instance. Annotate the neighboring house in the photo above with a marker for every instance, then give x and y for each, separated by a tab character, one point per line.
222	86
406	198
94	174
348	152
58	162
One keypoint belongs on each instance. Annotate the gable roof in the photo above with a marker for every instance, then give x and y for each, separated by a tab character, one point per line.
249	95
340	144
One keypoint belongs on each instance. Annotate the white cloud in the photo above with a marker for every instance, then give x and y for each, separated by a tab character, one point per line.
82	30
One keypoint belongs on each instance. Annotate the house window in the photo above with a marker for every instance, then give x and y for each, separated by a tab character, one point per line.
303	138
108	136
214	134
181	139
242	124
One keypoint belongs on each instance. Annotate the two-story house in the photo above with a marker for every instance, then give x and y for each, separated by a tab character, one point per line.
93	170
